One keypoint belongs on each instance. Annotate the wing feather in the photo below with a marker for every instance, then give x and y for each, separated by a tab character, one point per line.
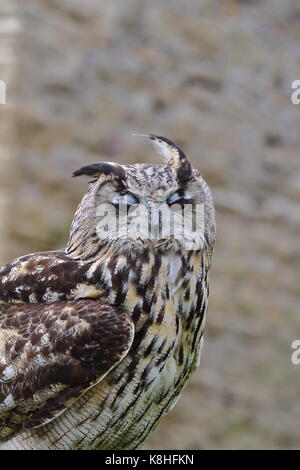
50	354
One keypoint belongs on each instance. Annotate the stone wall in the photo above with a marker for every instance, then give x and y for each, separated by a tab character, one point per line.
215	77
10	27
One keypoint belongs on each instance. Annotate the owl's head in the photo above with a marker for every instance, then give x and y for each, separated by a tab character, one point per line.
166	207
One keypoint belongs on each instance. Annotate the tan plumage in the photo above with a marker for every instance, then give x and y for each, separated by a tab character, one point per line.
98	340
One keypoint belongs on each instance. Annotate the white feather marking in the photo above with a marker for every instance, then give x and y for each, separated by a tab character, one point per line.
163	149
40	360
174	263
38	270
32	298
7	374
84	291
50	296
8	403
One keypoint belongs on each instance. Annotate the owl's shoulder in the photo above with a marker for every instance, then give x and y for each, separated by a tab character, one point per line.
43	277
51	354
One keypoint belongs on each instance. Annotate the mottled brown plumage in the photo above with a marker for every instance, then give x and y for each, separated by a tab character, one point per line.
98	340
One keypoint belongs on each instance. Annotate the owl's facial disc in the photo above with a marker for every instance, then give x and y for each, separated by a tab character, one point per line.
144	205
148	214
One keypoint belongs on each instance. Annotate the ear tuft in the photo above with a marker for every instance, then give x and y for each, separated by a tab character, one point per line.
101	169
174	157
168	149
88	170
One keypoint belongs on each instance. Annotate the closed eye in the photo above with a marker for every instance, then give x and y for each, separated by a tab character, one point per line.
179	197
175	197
129	198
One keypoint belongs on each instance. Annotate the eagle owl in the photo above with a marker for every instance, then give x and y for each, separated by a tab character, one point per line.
98	340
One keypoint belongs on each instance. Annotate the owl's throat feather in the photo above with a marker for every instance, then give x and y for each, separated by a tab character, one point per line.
150	281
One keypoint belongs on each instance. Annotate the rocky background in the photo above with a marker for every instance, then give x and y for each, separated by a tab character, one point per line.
216	78
9	27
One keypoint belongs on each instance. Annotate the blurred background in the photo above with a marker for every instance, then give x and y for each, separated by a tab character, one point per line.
216	78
